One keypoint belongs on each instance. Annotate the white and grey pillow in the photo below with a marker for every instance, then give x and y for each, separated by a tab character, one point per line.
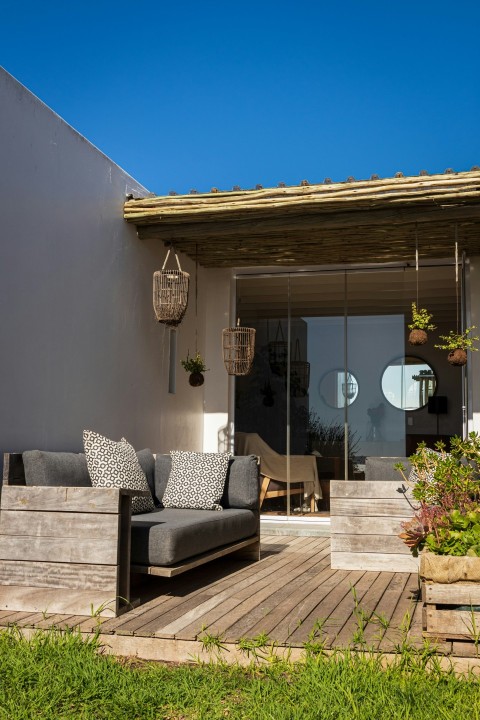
115	464
196	480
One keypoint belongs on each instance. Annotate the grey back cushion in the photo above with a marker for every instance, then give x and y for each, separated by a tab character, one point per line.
147	463
383	468
163	465
58	469
241	486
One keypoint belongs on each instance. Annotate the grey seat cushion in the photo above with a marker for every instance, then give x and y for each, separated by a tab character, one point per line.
383	468
169	535
241	486
58	469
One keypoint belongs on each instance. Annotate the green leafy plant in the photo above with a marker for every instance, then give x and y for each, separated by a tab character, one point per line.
194	364
459	341
446	488
456	533
421	319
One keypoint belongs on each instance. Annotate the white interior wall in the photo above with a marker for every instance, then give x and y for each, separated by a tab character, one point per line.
217	288
80	345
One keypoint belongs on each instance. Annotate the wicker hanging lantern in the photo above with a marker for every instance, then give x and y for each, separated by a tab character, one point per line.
238	349
170	294
278	353
299	374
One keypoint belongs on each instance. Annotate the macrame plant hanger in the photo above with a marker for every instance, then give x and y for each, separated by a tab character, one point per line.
170	293
417	336
457	355
457	294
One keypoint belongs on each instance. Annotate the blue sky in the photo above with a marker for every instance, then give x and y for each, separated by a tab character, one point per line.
199	94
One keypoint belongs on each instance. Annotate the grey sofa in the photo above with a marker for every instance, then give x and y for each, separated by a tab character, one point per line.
166	537
66	546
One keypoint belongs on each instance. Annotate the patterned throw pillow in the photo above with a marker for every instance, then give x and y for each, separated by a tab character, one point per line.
196	480
115	464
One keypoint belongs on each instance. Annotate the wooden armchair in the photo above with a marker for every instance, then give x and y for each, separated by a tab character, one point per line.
273	470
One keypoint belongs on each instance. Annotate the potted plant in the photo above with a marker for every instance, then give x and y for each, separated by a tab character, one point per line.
196	367
458	344
421	322
445	528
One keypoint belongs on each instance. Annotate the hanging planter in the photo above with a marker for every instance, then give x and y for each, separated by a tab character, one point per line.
457	344
196	367
421	322
170	294
299	374
238	349
349	388
278	353
268	394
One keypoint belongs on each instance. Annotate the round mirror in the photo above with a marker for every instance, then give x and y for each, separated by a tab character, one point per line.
408	382
338	388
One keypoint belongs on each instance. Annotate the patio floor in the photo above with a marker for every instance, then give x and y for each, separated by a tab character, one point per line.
283	596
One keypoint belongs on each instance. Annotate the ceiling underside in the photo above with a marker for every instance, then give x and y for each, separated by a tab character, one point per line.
345	223
332	294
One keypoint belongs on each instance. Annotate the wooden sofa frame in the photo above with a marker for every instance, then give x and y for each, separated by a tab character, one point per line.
67	550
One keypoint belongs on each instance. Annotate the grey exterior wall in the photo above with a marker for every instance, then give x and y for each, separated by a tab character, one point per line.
80	347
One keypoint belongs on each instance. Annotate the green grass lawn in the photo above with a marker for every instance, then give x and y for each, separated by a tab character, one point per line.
58	675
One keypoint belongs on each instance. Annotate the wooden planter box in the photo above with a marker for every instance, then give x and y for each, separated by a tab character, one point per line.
365	522
451	596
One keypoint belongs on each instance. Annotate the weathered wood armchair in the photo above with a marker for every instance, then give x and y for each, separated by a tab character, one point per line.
63	549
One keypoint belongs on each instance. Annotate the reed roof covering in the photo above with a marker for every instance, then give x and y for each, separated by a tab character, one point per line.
363	221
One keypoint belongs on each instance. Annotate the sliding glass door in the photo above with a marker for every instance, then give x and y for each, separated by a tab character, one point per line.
334	379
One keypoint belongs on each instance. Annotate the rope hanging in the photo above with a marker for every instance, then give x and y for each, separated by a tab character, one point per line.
456	278
299	374
278	353
416	258
238	349
170	293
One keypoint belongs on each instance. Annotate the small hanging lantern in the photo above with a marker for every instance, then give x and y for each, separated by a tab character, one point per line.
238	349
349	388
299	374
170	294
278	353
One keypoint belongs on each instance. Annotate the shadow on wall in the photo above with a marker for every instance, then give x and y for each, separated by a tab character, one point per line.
222	439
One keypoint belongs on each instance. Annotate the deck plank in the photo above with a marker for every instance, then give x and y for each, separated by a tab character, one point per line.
362	608
402	615
255	621
256	586
326	598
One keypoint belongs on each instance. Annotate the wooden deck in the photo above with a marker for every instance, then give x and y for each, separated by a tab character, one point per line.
283	596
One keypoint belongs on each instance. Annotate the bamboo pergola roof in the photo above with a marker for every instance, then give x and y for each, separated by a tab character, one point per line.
368	221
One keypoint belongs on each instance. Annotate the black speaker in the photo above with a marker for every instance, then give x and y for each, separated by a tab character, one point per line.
438	404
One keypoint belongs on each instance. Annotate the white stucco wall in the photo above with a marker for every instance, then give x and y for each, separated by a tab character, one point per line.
80	345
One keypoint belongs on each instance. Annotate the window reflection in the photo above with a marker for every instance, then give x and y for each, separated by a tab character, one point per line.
338	388
408	382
